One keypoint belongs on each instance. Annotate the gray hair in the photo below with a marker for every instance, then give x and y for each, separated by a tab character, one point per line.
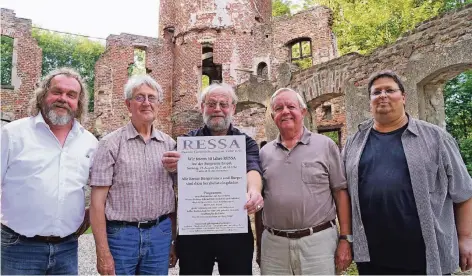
136	81
299	97
36	103
208	90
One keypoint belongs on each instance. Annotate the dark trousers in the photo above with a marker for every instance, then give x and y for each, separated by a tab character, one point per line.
233	252
374	269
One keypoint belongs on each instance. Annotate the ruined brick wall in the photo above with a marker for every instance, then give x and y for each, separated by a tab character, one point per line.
426	57
227	27
111	75
263	10
337	118
314	24
26	71
251	121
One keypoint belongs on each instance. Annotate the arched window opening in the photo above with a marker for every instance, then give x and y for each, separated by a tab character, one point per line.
263	70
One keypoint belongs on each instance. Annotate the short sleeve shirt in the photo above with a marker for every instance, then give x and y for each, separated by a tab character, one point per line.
298	183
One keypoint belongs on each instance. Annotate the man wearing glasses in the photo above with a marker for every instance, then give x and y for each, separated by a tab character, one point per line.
132	193
233	252
411	194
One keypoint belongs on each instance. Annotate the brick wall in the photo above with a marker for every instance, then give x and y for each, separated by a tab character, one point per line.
26	71
111	75
435	51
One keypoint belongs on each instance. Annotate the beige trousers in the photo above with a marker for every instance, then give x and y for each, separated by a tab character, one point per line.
312	254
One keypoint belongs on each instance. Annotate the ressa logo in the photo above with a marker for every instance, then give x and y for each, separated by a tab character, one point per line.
211	144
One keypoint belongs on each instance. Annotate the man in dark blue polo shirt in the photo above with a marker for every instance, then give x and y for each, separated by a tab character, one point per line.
233	252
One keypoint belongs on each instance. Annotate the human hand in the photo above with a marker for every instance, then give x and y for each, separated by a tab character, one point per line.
465	253
105	264
343	256
170	160
255	202
173	256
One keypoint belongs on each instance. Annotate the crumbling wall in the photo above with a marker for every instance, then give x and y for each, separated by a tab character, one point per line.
26	66
435	51
111	75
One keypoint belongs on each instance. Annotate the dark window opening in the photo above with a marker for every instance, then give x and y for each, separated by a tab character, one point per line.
300	53
327	112
6	55
211	70
263	70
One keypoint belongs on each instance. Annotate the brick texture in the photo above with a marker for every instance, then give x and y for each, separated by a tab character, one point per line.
26	69
242	35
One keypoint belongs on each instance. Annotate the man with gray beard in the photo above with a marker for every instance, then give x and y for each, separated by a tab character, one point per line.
233	252
45	162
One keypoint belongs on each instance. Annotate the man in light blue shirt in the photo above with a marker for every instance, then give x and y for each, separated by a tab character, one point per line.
45	162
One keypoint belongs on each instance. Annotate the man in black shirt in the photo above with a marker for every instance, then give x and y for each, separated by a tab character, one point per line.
410	191
233	252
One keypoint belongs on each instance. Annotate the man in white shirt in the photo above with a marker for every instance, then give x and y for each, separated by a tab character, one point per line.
45	162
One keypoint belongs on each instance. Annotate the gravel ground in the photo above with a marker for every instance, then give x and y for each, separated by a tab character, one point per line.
88	259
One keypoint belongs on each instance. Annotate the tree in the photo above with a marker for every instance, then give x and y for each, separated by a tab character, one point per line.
75	52
363	26
6	54
458	106
280	7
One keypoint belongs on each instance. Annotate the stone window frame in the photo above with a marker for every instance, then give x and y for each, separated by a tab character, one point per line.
299	41
333	128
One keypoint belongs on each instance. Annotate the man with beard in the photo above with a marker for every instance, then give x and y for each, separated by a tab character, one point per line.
233	252
132	194
411	192
45	166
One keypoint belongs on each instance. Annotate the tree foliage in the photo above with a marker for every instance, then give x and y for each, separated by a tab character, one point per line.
6	54
75	52
139	65
362	26
280	7
458	105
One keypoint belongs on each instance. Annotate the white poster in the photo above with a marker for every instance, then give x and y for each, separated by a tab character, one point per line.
212	185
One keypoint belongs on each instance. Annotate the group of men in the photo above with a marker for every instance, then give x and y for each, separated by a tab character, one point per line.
398	198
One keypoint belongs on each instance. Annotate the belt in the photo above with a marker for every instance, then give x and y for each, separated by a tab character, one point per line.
302	233
140	224
49	239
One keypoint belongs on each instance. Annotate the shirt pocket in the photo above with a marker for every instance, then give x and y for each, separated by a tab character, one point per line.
431	170
314	173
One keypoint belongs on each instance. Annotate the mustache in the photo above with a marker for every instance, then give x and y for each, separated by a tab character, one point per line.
62	105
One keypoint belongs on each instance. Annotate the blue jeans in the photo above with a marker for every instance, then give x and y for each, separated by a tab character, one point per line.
140	251
24	256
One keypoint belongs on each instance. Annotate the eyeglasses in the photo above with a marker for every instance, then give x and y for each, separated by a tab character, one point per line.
223	105
387	92
142	98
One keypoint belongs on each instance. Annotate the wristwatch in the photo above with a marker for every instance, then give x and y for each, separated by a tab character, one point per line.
348	238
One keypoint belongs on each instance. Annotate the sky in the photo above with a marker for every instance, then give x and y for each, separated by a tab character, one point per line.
96	18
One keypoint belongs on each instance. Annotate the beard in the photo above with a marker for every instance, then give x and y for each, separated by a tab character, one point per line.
221	124
56	119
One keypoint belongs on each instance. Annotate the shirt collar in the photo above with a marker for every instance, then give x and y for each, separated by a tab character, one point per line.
76	126
131	132
412	125
305	139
